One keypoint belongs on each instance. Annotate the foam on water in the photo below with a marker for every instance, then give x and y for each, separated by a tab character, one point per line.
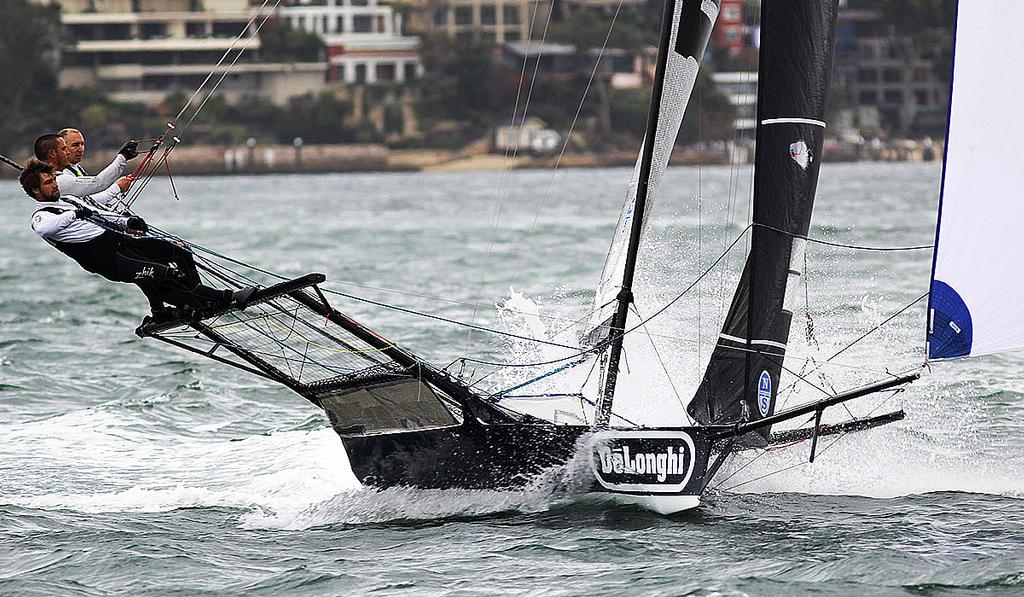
107	460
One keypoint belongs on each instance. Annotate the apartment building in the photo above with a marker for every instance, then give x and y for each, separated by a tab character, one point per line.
143	50
364	39
499	21
895	74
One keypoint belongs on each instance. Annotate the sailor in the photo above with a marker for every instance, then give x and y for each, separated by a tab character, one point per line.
105	243
74	142
52	149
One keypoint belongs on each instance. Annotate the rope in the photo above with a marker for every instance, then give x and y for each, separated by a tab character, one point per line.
841	245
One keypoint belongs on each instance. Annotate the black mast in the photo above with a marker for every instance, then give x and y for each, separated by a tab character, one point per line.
691	41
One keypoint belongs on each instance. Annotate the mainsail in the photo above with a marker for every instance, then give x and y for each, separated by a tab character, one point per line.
689	29
742	378
975	302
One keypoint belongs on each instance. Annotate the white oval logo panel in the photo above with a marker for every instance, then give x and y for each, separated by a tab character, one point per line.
646	461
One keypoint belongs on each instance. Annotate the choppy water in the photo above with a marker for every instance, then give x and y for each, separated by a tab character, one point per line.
128	467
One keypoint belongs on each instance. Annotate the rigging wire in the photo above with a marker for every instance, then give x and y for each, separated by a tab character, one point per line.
829	243
545	195
252	19
515	151
803	462
577	352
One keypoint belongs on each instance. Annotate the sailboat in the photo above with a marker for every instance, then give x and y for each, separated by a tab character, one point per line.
406	422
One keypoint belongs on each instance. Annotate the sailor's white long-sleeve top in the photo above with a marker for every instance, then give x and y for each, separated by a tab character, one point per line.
83	186
103	198
56	221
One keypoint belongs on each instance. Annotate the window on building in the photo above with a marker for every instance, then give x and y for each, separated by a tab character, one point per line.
360	73
152	30
867	75
921	74
362	23
511	15
892	75
385	72
921	97
732	34
463	15
441	16
226	28
893	97
339	24
360	3
195	29
868	97
410	71
114	31
731	13
488	15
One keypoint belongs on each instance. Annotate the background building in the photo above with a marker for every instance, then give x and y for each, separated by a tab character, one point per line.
143	50
364	39
898	76
490	20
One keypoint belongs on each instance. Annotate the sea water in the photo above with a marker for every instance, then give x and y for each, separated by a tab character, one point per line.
127	466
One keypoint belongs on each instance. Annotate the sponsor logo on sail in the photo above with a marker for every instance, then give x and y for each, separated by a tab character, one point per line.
800	153
764	393
648	461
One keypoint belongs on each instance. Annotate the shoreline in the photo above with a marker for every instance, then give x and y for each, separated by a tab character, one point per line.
213	160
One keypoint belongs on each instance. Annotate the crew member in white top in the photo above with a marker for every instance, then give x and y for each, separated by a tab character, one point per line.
74	142
106	243
52	149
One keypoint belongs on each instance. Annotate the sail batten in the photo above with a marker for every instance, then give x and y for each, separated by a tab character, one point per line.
742	378
975	304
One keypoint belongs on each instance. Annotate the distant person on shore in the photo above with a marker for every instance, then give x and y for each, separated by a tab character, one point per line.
74	142
106	243
52	149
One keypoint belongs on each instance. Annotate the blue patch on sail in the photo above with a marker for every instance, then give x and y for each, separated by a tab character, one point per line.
764	393
951	331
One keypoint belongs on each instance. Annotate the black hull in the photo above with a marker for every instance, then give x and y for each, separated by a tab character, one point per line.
499	457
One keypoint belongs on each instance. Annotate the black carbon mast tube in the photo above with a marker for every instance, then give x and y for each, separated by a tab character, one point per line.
691	41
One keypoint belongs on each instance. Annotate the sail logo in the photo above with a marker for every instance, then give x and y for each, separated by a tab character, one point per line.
800	153
645	461
764	393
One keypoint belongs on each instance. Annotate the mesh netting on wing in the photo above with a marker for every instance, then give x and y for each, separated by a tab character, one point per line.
289	339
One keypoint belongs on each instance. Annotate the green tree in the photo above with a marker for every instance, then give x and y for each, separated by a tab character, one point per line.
279	42
28	67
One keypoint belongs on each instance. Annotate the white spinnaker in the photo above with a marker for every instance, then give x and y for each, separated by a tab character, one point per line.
980	245
680	76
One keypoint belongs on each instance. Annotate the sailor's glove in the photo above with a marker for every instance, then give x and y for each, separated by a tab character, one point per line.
83	213
136	224
129	150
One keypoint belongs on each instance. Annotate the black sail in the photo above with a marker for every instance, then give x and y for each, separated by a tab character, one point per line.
742	378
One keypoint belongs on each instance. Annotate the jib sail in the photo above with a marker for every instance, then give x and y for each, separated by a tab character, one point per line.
691	25
742	377
975	304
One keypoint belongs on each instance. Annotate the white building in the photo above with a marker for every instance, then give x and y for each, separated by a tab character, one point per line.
741	89
364	39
